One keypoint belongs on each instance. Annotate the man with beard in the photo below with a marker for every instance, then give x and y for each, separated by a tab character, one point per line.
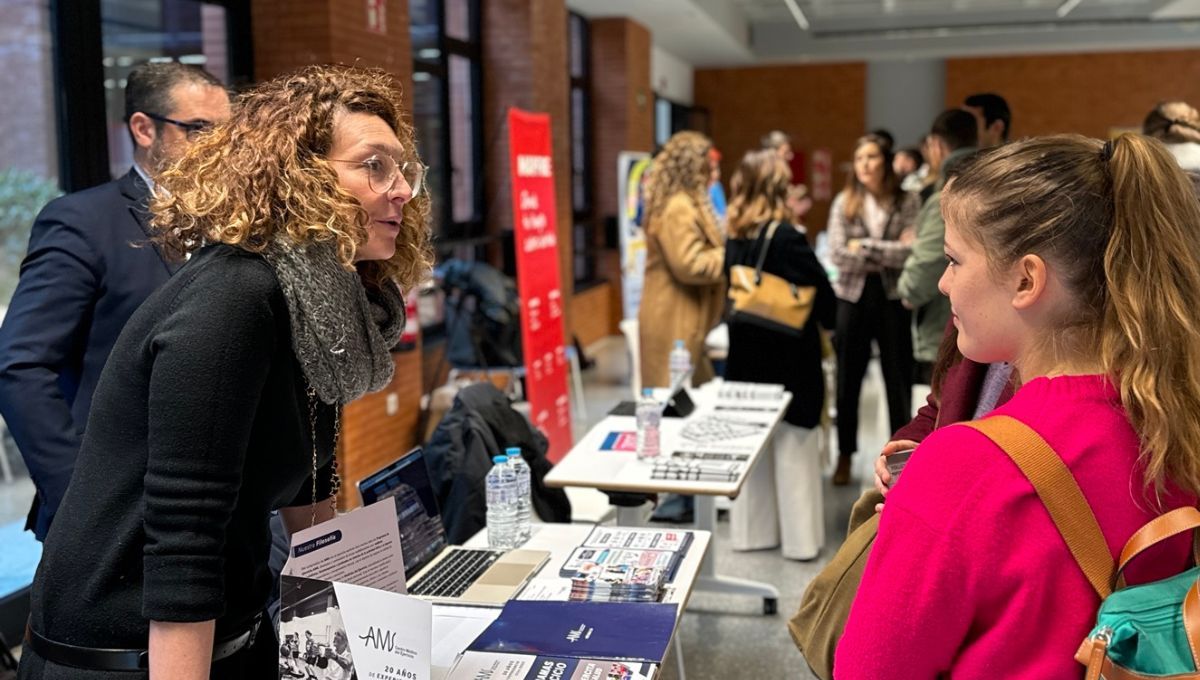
88	267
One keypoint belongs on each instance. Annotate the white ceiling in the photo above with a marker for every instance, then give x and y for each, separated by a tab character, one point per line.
733	32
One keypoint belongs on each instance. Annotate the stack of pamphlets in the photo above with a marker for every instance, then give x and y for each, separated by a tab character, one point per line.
625	565
619	583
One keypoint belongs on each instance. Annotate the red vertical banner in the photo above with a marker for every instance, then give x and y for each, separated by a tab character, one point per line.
535	221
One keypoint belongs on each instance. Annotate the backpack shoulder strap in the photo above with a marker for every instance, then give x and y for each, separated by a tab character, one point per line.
1059	492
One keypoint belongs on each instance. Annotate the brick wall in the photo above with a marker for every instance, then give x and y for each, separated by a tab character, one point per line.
373	436
289	34
525	65
622	102
820	106
622	120
1084	93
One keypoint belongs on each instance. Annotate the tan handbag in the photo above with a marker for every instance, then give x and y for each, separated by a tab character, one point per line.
767	300
817	627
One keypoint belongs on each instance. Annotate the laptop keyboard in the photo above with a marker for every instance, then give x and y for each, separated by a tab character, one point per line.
451	576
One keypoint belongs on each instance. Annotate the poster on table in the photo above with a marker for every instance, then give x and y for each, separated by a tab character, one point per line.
535	221
631	183
348	632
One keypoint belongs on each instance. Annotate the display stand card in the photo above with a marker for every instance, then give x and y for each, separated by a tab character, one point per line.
361	547
344	631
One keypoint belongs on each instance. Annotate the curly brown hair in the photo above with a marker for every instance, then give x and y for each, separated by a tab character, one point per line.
265	172
681	167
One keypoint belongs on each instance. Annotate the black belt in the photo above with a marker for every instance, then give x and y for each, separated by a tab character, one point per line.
93	658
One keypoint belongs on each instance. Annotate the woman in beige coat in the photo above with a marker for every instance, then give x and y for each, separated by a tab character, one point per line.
684	288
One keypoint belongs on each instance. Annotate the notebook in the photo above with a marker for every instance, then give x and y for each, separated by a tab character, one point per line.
432	569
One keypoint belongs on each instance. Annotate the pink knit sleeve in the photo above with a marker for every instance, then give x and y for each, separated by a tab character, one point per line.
914	606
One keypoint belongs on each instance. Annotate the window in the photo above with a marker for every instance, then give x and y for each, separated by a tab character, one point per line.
671	117
584	232
136	31
98	42
447	109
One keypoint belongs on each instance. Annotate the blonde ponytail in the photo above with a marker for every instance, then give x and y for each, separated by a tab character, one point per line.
1150	337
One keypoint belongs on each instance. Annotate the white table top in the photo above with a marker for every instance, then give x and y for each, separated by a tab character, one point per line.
587	465
456	627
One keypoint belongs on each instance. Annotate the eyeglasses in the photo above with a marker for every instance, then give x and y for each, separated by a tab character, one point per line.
382	171
190	129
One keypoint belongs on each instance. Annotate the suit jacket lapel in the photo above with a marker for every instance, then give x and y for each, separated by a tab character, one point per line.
134	188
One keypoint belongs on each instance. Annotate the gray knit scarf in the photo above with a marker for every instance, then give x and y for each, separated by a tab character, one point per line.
341	332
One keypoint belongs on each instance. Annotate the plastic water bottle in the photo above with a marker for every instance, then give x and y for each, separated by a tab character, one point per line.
649	416
680	362
524	497
501	505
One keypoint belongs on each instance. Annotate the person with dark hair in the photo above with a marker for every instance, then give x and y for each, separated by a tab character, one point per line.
871	229
1076	261
952	138
907	161
300	219
992	117
781	503
886	136
88	267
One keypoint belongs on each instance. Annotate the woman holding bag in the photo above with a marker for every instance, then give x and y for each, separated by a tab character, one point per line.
782	498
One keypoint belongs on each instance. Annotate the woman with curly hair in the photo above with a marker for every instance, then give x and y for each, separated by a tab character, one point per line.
684	289
303	219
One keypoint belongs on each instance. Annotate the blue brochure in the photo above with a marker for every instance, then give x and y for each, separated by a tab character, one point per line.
629	631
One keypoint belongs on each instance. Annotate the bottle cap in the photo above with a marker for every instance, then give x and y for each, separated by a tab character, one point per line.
499	459
647	392
678	344
512	452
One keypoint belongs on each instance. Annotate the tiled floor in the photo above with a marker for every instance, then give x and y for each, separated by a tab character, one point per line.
726	636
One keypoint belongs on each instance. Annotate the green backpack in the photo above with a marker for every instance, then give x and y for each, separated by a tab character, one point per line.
1142	632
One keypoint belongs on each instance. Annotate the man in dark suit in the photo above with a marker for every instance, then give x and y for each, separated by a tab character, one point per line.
88	267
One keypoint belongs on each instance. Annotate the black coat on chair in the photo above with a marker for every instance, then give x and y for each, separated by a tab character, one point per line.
481	424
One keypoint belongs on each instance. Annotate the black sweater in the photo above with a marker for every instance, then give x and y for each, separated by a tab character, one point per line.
757	354
199	428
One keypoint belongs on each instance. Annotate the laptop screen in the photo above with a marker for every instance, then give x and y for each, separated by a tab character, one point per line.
407	482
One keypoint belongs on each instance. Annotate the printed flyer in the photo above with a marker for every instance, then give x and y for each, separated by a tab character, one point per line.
346	632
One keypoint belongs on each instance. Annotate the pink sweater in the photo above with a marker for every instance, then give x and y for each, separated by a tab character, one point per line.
969	578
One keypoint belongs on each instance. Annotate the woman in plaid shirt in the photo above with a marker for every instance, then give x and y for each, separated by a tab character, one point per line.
871	228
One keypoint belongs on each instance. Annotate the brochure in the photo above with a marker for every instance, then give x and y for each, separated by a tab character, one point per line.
491	666
344	631
639	539
633	631
361	547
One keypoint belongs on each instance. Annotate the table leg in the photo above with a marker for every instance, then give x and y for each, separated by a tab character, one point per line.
707	579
